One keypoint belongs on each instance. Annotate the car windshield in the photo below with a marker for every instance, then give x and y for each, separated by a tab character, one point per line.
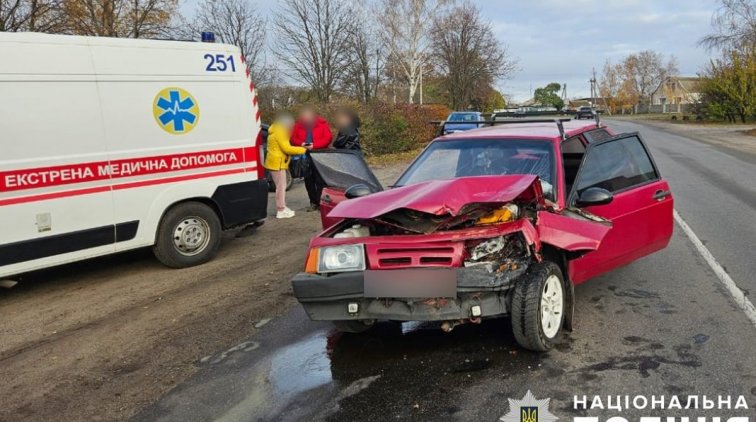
463	117
483	157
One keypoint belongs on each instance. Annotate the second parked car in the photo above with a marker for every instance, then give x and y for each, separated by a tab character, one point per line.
460	121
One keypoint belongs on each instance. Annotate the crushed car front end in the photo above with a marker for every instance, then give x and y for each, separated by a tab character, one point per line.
435	251
444	276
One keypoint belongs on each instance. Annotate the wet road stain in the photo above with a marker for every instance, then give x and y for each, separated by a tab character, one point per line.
645	358
365	369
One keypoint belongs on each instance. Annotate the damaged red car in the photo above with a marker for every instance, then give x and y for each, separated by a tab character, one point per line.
503	220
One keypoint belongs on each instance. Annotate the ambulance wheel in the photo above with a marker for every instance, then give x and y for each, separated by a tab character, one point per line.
189	234
538	305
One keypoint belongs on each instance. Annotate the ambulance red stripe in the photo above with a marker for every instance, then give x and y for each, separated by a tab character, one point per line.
128	185
42	177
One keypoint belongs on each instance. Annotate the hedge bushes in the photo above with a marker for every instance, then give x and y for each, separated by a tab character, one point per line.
391	128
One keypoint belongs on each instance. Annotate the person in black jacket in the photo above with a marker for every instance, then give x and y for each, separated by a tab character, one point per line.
348	124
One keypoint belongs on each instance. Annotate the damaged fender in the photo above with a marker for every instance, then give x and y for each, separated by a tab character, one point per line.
571	233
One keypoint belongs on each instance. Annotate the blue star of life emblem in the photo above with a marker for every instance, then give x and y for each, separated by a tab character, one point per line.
176	110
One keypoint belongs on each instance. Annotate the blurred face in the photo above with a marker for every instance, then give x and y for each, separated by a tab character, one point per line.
343	120
286	122
307	115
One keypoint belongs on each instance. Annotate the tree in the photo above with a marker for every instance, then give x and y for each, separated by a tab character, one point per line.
729	86
618	91
239	23
468	56
406	26
549	95
119	18
30	15
734	26
366	60
313	42
495	101
644	71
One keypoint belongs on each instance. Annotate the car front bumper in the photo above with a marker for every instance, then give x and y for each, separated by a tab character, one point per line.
327	298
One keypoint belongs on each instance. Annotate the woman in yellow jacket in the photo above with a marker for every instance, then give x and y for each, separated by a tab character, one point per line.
277	157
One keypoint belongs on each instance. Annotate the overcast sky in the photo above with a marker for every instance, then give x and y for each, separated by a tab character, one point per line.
562	40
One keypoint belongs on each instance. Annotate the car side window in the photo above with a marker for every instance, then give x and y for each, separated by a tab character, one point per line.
597	135
616	165
572	155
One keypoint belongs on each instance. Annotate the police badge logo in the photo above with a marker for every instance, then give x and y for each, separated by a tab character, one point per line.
529	409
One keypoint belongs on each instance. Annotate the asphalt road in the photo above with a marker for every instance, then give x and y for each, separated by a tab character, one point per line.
665	325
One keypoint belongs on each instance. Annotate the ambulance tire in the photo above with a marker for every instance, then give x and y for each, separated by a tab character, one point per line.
189	234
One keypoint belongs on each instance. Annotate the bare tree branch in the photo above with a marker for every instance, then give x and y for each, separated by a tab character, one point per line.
362	75
734	26
312	41
406	29
30	15
119	18
237	22
468	56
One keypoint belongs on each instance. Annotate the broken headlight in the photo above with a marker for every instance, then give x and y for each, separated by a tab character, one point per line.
341	258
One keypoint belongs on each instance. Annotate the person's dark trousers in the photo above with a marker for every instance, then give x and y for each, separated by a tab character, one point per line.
313	182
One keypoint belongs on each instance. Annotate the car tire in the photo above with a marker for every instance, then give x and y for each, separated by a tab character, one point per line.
538	307
189	234
353	326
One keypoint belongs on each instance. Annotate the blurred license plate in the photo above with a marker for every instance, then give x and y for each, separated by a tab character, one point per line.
414	283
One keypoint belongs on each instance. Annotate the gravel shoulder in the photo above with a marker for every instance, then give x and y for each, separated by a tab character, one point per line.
101	339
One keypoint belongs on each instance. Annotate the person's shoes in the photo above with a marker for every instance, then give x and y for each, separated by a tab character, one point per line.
285	213
313	207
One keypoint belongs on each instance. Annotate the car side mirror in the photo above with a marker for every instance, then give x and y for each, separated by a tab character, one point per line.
594	196
358	190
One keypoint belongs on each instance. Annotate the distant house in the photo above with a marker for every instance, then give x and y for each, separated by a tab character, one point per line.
677	90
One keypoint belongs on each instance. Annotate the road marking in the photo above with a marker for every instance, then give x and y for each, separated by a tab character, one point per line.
719	271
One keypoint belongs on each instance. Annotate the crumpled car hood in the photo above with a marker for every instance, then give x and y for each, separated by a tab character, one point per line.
444	197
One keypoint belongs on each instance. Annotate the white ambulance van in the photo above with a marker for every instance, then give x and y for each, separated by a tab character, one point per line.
113	144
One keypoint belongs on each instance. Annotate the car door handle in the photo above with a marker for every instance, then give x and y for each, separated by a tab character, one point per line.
661	194
327	199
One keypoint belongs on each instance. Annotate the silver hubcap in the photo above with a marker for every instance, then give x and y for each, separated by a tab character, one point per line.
551	306
191	236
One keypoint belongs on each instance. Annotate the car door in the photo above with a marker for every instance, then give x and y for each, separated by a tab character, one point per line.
340	169
641	209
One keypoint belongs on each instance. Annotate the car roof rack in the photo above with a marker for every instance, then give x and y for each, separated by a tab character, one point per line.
559	123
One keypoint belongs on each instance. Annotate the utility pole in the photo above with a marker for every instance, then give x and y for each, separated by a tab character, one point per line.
595	93
564	94
593	88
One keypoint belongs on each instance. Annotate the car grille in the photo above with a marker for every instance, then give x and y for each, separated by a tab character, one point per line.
383	257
